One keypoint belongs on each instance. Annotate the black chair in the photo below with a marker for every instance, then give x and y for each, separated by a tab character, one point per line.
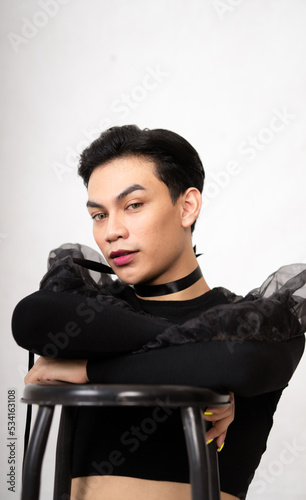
204	475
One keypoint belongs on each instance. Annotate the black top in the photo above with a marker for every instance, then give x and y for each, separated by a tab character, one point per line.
149	443
249	345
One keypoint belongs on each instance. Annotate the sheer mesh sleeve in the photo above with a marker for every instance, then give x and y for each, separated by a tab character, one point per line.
80	314
64	275
275	311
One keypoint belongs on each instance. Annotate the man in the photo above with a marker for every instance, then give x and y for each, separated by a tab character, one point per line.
144	196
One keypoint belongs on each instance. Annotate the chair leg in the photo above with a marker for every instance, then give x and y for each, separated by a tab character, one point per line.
214	471
202	487
35	453
62	479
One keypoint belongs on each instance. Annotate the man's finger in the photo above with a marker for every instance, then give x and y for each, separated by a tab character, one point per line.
218	429
214	414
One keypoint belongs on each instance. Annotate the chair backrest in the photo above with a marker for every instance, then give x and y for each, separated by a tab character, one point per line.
203	465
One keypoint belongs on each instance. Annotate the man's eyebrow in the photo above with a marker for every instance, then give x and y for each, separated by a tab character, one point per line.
93	204
130	189
120	197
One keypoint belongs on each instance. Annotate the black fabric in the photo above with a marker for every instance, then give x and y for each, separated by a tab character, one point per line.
149	443
248	369
78	326
147	448
250	345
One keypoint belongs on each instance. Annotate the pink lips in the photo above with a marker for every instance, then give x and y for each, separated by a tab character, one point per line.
122	257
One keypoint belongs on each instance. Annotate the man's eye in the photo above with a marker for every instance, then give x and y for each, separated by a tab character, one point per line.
133	206
98	217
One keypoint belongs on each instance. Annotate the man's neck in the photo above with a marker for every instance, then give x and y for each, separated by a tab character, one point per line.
195	290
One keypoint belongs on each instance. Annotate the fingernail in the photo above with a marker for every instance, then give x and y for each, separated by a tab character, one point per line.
221	447
207	413
209	441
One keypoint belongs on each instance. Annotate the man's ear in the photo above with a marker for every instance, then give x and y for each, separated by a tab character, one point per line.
191	206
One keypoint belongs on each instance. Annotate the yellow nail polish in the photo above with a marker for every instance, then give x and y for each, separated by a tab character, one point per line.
207	413
221	447
209	441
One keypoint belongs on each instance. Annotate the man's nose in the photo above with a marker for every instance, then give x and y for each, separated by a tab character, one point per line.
115	229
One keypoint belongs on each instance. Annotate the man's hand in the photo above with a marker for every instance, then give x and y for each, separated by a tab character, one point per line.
74	371
221	418
64	370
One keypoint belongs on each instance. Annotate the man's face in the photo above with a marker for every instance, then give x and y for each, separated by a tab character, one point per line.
135	224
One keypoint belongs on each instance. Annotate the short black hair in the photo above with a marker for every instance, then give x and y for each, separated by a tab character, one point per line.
177	163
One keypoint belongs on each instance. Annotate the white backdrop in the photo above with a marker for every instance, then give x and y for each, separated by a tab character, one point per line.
229	75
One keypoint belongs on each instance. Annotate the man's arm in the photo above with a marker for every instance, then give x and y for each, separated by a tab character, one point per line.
247	368
74	371
69	326
72	326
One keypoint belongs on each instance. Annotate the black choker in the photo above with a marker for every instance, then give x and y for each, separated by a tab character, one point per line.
147	290
167	288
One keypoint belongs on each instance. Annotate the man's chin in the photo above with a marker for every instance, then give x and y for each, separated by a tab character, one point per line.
125	278
133	280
